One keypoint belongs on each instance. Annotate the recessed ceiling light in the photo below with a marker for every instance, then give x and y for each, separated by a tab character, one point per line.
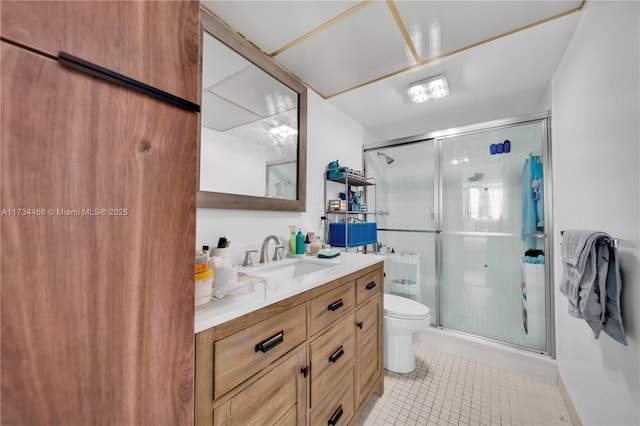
429	88
283	131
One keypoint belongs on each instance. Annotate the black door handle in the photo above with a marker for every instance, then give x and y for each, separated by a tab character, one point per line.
336	416
335	305
371	285
305	371
360	325
336	355
87	67
270	343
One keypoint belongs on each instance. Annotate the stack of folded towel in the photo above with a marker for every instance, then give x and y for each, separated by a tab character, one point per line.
591	281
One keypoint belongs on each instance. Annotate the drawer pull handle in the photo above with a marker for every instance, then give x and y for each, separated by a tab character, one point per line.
371	285
270	343
360	325
305	371
335	305
336	416
336	355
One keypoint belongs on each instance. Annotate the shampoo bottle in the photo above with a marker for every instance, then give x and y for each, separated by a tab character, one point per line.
292	240
299	242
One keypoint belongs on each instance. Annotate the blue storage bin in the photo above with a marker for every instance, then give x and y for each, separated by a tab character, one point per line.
360	233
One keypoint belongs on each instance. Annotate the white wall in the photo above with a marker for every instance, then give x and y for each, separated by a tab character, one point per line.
596	156
230	164
331	135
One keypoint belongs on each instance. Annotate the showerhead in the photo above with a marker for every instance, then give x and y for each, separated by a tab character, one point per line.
389	159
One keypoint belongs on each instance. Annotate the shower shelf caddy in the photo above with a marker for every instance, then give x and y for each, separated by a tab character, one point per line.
350	228
402	274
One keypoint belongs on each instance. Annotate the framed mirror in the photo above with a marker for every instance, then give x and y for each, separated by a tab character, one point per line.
253	147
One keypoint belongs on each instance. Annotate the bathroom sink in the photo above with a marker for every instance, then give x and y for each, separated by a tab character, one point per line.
288	274
288	269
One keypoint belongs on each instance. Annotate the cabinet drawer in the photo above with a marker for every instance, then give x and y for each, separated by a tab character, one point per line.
330	306
332	354
239	356
369	285
337	406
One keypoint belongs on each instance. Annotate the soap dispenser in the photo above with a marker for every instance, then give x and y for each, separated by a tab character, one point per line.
299	242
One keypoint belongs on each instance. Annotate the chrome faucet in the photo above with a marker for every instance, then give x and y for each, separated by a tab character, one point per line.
264	255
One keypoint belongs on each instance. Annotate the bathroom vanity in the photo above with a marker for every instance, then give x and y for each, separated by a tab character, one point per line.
311	352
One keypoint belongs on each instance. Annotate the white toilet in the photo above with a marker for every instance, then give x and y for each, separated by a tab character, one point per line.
402	318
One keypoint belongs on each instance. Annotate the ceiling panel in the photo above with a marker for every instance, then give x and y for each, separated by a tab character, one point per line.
355	54
221	115
273	24
438	28
218	61
364	46
258	92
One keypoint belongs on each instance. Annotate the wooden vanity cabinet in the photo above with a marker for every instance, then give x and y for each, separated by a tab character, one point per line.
304	360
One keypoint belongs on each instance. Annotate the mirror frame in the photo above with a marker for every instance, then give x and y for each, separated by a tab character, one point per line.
222	200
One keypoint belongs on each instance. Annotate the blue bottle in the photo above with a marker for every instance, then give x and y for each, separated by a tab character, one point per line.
299	242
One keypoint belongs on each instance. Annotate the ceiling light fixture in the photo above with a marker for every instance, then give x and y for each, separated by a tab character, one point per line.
429	88
283	131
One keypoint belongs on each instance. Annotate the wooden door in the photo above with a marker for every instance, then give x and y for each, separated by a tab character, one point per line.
97	233
369	347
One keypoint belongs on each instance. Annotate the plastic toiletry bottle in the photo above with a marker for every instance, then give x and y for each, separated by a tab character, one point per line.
316	246
299	242
292	240
307	245
204	252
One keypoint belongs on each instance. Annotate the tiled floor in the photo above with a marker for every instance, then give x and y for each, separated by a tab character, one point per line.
449	390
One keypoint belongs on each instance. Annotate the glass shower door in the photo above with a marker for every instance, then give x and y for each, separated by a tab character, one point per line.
493	281
404	192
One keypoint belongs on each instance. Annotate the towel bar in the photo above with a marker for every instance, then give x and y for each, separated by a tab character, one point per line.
615	240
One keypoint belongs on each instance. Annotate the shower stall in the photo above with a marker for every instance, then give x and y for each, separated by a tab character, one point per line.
468	208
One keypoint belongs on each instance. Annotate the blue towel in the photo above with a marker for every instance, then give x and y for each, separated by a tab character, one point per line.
591	281
539	260
532	201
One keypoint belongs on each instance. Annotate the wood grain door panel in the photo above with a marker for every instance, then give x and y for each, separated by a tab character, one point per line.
97	310
155	42
369	346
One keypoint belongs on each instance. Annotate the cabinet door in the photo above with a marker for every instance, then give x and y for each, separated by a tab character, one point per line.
97	287
155	42
337	408
369	349
278	397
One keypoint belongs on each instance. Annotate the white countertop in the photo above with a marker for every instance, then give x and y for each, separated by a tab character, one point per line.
214	313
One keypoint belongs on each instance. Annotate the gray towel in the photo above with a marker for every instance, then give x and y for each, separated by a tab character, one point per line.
591	281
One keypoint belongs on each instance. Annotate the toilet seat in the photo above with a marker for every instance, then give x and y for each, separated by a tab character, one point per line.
403	308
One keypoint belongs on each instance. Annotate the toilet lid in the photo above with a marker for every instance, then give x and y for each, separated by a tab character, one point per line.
403	308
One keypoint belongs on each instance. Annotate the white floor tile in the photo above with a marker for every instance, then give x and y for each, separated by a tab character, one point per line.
447	390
